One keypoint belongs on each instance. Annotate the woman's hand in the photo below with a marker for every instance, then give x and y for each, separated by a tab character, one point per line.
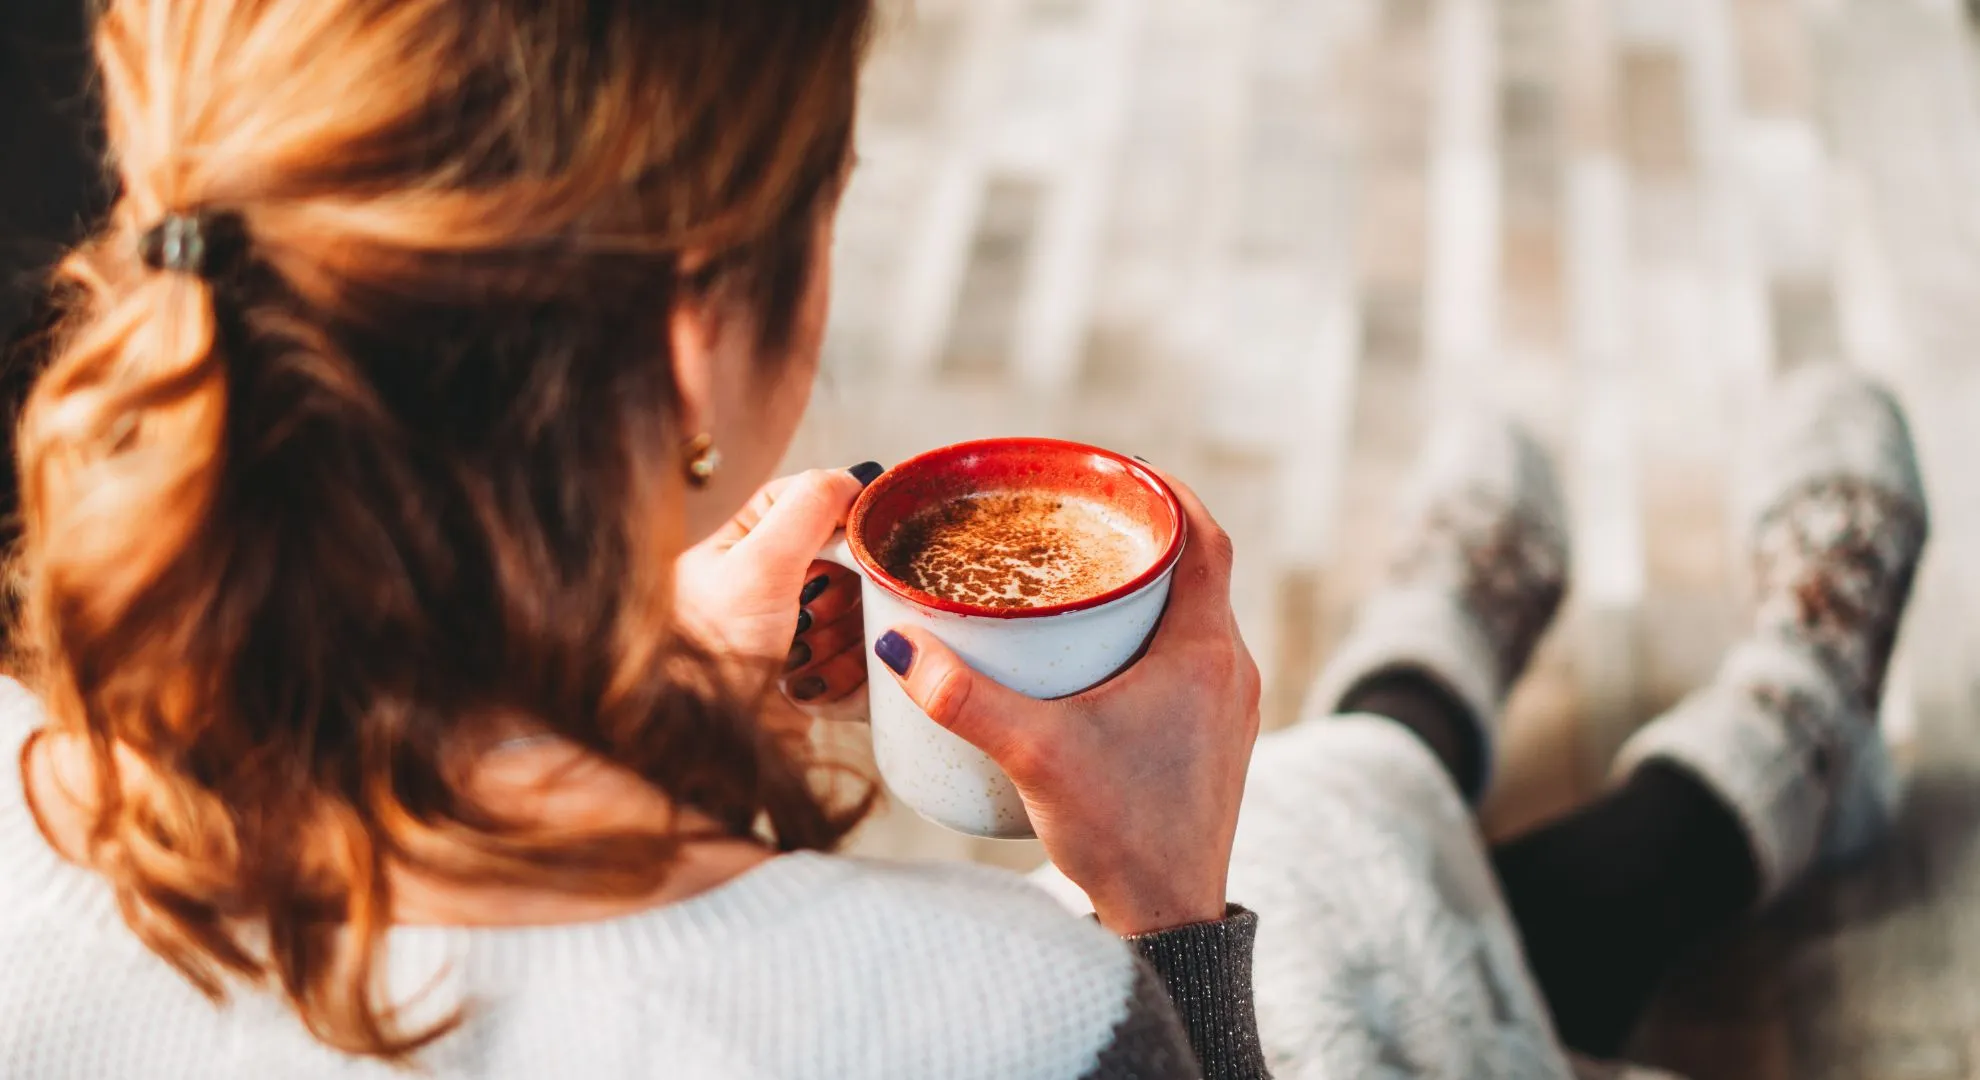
1133	785
754	591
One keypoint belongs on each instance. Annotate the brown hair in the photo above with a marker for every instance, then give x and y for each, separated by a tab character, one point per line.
294	538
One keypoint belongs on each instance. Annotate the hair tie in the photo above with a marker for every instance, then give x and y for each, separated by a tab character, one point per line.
209	244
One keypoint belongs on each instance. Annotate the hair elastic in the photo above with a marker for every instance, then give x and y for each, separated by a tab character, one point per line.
208	244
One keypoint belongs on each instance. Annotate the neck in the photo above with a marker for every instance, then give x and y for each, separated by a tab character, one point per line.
543	782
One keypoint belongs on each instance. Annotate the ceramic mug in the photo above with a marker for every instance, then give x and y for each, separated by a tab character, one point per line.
1045	652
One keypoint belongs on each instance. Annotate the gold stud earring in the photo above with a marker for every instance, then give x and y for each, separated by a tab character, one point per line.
701	459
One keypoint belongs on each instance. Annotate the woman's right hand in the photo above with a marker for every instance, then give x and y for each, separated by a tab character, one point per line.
1134	785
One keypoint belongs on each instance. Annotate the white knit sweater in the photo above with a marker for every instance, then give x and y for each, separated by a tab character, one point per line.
808	966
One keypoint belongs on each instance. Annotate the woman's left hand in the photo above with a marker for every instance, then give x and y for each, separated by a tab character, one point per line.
754	590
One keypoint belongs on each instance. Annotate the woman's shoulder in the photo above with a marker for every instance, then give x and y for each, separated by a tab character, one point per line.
975	904
968	966
38	882
20	714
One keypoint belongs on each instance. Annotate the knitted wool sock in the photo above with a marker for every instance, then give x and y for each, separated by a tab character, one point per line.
1479	574
1787	733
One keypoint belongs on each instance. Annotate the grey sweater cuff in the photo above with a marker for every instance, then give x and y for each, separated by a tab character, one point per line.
1206	968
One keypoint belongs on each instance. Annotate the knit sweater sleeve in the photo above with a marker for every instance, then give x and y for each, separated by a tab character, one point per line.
1190	1012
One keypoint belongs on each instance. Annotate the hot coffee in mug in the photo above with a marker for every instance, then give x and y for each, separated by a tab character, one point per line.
1044	564
1018	549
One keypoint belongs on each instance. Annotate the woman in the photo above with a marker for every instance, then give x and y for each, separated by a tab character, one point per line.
406	616
407	655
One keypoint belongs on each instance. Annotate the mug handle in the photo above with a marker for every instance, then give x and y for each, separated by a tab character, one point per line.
854	706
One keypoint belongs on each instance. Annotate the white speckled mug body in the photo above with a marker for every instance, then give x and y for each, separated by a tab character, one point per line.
945	779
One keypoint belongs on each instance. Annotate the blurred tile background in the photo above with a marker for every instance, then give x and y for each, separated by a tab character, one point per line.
1264	243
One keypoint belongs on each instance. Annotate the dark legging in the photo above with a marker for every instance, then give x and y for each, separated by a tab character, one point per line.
1607	897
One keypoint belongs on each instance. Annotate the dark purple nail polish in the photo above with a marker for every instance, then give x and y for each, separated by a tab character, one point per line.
800	656
867	471
804	621
894	651
809	687
814	589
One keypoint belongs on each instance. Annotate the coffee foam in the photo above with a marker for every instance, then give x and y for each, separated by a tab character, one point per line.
1018	549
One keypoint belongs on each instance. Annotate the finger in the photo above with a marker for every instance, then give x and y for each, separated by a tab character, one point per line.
986	714
752	512
801	516
829	681
838	594
821	643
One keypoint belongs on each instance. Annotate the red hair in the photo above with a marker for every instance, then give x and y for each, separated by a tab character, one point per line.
294	538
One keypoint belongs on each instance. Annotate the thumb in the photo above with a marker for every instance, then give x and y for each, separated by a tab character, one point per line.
982	711
801	516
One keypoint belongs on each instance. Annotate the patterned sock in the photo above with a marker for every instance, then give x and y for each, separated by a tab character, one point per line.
1477	578
1786	735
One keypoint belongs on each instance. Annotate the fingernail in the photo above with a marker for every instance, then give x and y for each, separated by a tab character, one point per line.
800	656
814	589
867	471
804	621
894	651
807	688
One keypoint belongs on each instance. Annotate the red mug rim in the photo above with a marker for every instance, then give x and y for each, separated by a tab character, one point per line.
856	521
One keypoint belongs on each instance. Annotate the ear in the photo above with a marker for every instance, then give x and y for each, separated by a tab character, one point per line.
692	337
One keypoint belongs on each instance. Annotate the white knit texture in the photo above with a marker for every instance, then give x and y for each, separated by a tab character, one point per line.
1384	949
808	967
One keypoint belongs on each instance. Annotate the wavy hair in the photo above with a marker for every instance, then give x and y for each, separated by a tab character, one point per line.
292	539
